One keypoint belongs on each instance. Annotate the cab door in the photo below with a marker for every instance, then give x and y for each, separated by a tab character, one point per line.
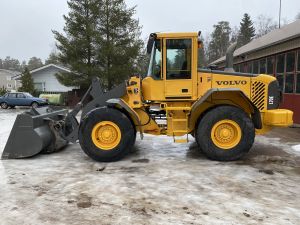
178	68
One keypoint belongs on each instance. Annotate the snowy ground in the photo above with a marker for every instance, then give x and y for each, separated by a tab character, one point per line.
159	183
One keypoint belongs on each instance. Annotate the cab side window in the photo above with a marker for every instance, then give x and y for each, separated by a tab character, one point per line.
179	63
157	61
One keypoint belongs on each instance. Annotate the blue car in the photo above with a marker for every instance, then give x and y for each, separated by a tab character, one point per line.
21	99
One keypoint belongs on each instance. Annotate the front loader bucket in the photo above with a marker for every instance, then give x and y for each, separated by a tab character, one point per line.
34	132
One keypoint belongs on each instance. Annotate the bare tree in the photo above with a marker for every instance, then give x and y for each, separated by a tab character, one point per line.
264	25
234	34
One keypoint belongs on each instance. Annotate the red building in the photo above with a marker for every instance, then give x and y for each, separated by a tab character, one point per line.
276	53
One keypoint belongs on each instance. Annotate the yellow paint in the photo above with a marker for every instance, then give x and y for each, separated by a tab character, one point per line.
106	135
153	90
168	95
278	117
226	134
134	92
181	141
178	35
173	88
149	126
205	83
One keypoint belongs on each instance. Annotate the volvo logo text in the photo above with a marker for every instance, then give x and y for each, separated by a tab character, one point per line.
232	82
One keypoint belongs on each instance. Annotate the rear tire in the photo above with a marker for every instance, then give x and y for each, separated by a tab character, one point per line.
106	134
225	133
4	105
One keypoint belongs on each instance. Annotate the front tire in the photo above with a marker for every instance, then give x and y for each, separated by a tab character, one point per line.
225	133
106	134
34	105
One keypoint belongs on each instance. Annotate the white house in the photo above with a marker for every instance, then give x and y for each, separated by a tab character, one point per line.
44	78
6	80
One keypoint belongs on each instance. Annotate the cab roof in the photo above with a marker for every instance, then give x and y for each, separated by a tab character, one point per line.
174	35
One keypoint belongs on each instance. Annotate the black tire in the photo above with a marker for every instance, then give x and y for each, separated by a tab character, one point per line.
112	115
194	135
207	123
4	105
34	105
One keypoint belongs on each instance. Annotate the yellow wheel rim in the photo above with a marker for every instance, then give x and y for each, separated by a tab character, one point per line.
106	135
226	134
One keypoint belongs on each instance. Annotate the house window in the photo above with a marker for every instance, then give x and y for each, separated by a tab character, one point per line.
298	75
290	72
249	67
236	68
280	61
298	68
255	67
290	62
280	64
9	86
262	66
243	67
270	65
280	81
298	83
289	83
39	86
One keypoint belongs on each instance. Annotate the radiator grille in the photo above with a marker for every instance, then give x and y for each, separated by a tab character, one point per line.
258	94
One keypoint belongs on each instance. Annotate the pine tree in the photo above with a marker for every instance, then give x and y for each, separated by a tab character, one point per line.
27	82
101	39
77	46
201	55
247	31
53	59
34	63
118	41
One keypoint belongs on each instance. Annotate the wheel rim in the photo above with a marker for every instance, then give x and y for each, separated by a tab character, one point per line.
4	105
226	134
34	105
106	135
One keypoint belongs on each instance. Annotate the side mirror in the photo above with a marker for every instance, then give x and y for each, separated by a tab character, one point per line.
150	43
200	44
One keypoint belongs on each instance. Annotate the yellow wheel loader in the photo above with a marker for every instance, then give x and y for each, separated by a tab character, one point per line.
222	110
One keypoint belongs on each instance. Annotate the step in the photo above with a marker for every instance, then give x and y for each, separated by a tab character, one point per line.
181	140
178	108
180	131
179	120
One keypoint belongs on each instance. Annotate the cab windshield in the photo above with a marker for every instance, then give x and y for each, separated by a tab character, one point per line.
155	61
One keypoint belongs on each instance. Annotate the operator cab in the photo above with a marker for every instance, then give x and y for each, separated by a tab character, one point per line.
178	60
173	64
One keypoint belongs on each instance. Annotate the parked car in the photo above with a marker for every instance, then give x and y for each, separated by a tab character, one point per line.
21	99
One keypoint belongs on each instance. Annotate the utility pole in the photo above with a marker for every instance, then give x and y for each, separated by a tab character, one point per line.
279	22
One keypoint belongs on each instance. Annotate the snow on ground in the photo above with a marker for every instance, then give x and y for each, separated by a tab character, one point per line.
296	148
160	182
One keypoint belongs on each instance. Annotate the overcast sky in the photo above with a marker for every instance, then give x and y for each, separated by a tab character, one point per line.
25	25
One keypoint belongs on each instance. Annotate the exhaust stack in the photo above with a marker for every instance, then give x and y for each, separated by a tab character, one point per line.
229	58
